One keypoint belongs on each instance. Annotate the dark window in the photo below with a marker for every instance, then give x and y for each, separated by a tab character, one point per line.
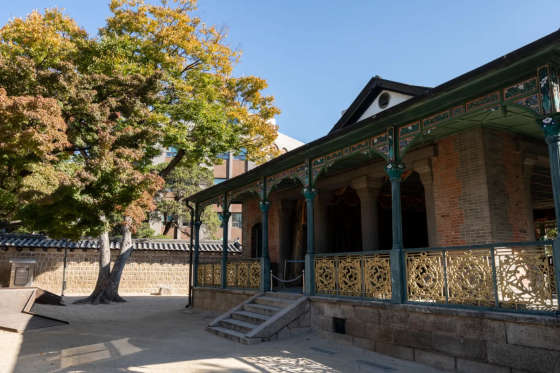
236	220
218	180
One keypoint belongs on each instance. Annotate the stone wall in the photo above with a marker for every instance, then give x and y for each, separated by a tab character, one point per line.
144	273
449	339
219	300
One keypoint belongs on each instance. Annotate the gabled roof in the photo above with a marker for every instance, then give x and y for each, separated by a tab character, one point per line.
43	242
368	95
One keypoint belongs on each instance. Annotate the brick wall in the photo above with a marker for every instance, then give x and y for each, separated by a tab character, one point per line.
144	273
251	216
479	190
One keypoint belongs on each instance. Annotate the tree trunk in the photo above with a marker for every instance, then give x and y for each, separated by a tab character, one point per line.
104	276
126	250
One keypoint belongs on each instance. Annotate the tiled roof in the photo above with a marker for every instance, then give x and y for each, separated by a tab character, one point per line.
43	242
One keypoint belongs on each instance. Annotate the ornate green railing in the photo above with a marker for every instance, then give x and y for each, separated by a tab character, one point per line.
244	273
514	276
241	273
357	274
209	274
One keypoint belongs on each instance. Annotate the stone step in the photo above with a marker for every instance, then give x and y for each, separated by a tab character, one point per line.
250	317
273	301
237	325
232	335
261	308
284	295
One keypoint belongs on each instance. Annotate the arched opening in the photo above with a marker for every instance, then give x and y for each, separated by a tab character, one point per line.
256	240
344	230
414	220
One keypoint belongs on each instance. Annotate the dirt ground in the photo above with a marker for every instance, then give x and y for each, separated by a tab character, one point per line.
157	334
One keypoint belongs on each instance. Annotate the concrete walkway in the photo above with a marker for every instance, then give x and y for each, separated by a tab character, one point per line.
157	334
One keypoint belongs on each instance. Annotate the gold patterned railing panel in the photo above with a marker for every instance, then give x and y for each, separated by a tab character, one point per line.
217	279
254	275
244	274
377	277
207	273
353	276
349	270
525	278
425	276
469	277
325	275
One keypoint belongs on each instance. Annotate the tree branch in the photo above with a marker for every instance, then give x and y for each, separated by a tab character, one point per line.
167	170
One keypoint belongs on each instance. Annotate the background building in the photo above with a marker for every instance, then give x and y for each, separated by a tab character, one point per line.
231	166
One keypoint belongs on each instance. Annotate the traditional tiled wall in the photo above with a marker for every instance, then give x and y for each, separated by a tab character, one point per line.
144	273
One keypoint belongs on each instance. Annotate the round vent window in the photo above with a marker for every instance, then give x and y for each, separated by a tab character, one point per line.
384	100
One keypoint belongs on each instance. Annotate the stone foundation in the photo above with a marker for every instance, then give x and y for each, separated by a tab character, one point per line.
449	339
219	300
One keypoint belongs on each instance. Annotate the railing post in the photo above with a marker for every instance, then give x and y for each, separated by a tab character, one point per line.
265	258
551	127
398	282
196	233
225	225
309	194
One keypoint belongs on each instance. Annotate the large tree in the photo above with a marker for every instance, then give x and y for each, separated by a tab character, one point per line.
154	76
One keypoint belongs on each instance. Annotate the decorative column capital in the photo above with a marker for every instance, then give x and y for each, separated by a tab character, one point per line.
264	206
395	170
224	216
551	127
309	193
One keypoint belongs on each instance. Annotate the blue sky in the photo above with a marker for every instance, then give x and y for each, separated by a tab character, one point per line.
318	55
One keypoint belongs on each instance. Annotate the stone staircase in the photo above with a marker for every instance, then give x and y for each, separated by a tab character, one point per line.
262	317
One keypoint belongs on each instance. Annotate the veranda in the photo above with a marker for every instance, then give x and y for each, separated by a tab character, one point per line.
436	200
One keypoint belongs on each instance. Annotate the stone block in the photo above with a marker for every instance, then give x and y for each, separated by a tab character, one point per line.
380	333
366	314
357	328
436	360
409	338
533	335
393	350
524	358
393	317
469	366
323	323
460	347
482	329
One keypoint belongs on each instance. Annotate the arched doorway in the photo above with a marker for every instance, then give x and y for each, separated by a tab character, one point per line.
344	221
414	220
256	240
